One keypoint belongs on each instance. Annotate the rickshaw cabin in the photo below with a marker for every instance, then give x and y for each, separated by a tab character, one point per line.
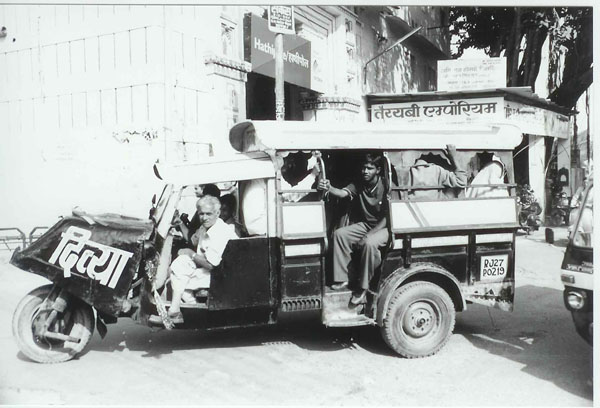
286	270
461	232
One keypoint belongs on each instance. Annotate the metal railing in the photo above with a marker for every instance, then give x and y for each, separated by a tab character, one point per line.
34	234
12	238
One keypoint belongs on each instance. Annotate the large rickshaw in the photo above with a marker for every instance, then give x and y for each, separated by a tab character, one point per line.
440	256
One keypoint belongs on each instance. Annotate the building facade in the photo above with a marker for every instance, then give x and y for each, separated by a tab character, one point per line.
92	95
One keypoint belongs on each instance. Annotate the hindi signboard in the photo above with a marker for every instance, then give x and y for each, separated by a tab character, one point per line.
260	47
281	19
537	121
530	119
470	74
440	111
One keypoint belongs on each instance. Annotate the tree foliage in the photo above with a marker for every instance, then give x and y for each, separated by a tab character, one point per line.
519	34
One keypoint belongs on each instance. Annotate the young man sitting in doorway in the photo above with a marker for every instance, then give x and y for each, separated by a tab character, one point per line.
367	233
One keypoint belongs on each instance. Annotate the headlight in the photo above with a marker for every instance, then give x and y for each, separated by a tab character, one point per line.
576	300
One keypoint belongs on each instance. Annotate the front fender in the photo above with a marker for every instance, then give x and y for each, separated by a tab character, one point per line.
425	271
93	261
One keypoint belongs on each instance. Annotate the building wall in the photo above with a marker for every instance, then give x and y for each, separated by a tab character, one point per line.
434	21
92	96
358	34
409	67
537	166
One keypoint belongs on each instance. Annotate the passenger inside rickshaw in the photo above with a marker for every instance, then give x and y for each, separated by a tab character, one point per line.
478	174
360	241
487	182
485	171
186	220
184	233
191	270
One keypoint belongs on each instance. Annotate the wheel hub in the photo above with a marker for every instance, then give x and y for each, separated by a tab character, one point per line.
37	328
419	319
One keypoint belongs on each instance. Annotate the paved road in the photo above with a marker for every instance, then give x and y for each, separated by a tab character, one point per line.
529	357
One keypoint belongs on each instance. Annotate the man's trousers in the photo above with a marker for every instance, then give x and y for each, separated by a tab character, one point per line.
345	242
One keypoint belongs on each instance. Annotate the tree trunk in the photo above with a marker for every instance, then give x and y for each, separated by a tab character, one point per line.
532	56
513	48
577	75
570	90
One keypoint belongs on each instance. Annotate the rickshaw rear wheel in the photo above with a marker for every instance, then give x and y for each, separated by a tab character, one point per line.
419	320
77	321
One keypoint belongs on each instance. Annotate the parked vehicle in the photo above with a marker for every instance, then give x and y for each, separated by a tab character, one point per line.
561	209
529	209
578	268
440	256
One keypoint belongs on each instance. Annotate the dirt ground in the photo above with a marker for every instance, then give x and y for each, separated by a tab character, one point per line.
530	357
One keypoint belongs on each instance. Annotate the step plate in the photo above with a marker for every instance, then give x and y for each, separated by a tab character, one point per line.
338	312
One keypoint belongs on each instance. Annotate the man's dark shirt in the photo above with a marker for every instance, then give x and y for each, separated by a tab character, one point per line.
367	203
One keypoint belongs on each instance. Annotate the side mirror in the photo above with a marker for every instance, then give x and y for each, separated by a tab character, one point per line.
154	199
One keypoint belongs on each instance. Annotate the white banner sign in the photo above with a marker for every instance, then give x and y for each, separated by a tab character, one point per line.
537	121
469	74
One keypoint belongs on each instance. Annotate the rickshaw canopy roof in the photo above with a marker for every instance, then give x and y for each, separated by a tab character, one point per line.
234	167
298	135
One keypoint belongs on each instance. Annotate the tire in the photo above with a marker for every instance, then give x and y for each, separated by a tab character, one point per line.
418	300
523	220
76	321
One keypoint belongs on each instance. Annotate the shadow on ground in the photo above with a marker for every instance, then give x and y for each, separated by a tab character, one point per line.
534	335
310	335
539	334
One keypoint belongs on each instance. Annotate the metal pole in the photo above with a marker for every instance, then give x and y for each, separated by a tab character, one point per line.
279	89
386	50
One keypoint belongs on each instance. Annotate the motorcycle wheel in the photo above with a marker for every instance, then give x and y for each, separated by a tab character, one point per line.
77	321
536	208
523	222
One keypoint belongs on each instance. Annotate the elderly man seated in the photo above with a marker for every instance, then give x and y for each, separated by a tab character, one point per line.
191	269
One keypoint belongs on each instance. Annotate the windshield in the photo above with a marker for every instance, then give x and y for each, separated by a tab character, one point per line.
583	233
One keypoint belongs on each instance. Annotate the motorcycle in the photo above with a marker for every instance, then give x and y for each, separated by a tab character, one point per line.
561	208
529	209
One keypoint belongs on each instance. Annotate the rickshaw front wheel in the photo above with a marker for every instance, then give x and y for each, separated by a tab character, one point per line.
71	330
419	321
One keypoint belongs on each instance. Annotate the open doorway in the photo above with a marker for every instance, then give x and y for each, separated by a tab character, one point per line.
260	98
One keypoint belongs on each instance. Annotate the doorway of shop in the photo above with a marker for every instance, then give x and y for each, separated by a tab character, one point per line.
260	98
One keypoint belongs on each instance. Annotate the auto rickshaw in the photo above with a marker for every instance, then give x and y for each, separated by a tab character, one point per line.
441	254
577	267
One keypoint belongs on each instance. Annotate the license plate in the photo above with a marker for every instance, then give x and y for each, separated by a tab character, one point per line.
493	267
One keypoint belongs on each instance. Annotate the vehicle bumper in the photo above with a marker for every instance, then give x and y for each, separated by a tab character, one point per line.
583	318
584	324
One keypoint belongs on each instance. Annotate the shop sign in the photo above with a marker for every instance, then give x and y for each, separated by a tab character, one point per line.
469	74
296	53
537	121
530	119
281	19
444	111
